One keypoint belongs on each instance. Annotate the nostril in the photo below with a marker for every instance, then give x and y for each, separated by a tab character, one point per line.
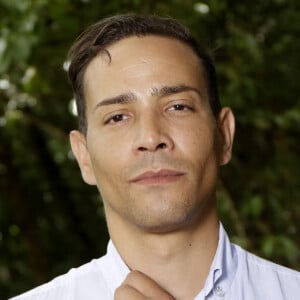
161	146
142	149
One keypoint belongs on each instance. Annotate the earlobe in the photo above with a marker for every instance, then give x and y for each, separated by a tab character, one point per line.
226	126
80	151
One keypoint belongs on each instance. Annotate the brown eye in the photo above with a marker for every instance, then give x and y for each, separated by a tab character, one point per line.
179	107
116	118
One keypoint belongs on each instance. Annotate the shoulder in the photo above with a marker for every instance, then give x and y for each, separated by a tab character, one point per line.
84	280
264	277
264	265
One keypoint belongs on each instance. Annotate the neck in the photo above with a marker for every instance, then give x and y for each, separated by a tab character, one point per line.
179	261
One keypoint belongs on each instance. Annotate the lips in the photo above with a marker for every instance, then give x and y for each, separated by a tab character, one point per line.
163	176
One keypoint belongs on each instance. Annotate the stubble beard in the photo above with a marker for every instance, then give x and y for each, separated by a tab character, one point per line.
166	214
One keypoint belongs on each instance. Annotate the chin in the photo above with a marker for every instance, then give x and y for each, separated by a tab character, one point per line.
162	228
169	216
165	222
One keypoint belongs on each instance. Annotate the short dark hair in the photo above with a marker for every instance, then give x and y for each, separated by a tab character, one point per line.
110	30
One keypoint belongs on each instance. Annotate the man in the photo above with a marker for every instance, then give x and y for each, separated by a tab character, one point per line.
152	138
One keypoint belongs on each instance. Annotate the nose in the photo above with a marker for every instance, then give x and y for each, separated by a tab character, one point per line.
152	135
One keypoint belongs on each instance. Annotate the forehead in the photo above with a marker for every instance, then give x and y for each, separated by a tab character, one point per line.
139	62
143	45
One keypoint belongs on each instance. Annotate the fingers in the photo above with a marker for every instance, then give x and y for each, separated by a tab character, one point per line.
126	291
138	286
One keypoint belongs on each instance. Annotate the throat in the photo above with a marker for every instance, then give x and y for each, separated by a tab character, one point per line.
179	264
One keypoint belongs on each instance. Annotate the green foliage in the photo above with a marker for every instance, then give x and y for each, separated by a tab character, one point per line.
51	221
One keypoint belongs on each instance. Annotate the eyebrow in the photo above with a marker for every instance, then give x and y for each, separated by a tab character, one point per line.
120	99
176	89
160	92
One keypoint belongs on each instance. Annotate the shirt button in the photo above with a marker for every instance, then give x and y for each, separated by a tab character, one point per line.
219	292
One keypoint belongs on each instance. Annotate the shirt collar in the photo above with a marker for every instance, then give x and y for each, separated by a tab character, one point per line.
222	270
115	268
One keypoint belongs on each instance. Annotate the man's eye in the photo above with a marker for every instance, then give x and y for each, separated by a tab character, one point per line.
116	118
180	107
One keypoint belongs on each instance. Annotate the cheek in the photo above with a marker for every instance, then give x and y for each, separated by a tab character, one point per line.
199	148
198	142
109	158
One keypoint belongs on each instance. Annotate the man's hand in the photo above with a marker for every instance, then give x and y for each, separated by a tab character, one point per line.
138	286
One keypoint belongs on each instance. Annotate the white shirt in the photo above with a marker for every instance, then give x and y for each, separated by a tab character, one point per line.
234	274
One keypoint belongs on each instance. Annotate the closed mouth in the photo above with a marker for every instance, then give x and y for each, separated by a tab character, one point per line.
162	176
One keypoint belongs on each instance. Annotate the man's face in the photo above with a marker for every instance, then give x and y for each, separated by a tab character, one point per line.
153	146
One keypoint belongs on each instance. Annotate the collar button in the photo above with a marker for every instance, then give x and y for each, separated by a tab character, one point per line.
218	291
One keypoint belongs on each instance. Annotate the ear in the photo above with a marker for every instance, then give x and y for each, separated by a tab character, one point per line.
226	127
79	148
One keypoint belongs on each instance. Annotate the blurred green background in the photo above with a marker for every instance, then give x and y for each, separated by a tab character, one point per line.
51	221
